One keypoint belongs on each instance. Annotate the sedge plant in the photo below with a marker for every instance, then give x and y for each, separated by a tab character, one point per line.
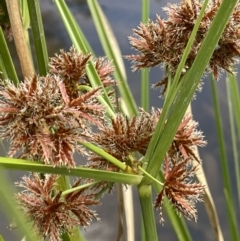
69	103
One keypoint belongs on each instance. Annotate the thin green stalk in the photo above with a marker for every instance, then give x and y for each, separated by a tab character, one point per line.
145	72
145	89
3	71
232	78
78	188
224	164
7	60
145	196
65	185
38	36
107	156
150	177
19	164
236	102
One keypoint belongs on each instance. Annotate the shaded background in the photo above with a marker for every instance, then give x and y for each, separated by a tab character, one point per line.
124	16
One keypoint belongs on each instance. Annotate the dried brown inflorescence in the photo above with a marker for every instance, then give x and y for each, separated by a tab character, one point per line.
164	41
187	139
51	213
71	67
179	187
122	137
42	121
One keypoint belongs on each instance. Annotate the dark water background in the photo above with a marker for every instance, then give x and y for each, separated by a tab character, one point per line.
124	16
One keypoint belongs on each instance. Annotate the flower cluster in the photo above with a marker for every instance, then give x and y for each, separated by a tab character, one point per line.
186	139
46	118
163	42
52	213
122	137
43	122
178	188
125	136
71	67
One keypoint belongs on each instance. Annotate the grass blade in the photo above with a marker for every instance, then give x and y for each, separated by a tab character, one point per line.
224	164
145	72
76	35
38	36
233	107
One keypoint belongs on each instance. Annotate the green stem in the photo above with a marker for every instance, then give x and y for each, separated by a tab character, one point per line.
65	186
79	188
108	157
75	33
145	72
108	41
232	78
224	164
151	177
145	196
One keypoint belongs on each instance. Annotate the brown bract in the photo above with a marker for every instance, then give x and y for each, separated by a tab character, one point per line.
51	214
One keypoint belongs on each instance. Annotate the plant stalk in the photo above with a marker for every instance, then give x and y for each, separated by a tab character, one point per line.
19	38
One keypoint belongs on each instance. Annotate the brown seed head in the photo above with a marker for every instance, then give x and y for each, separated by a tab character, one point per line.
52	214
163	42
40	120
178	187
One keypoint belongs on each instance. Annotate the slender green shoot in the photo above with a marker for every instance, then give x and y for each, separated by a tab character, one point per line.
145	72
231	104
78	188
7	60
224	162
76	35
38	36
